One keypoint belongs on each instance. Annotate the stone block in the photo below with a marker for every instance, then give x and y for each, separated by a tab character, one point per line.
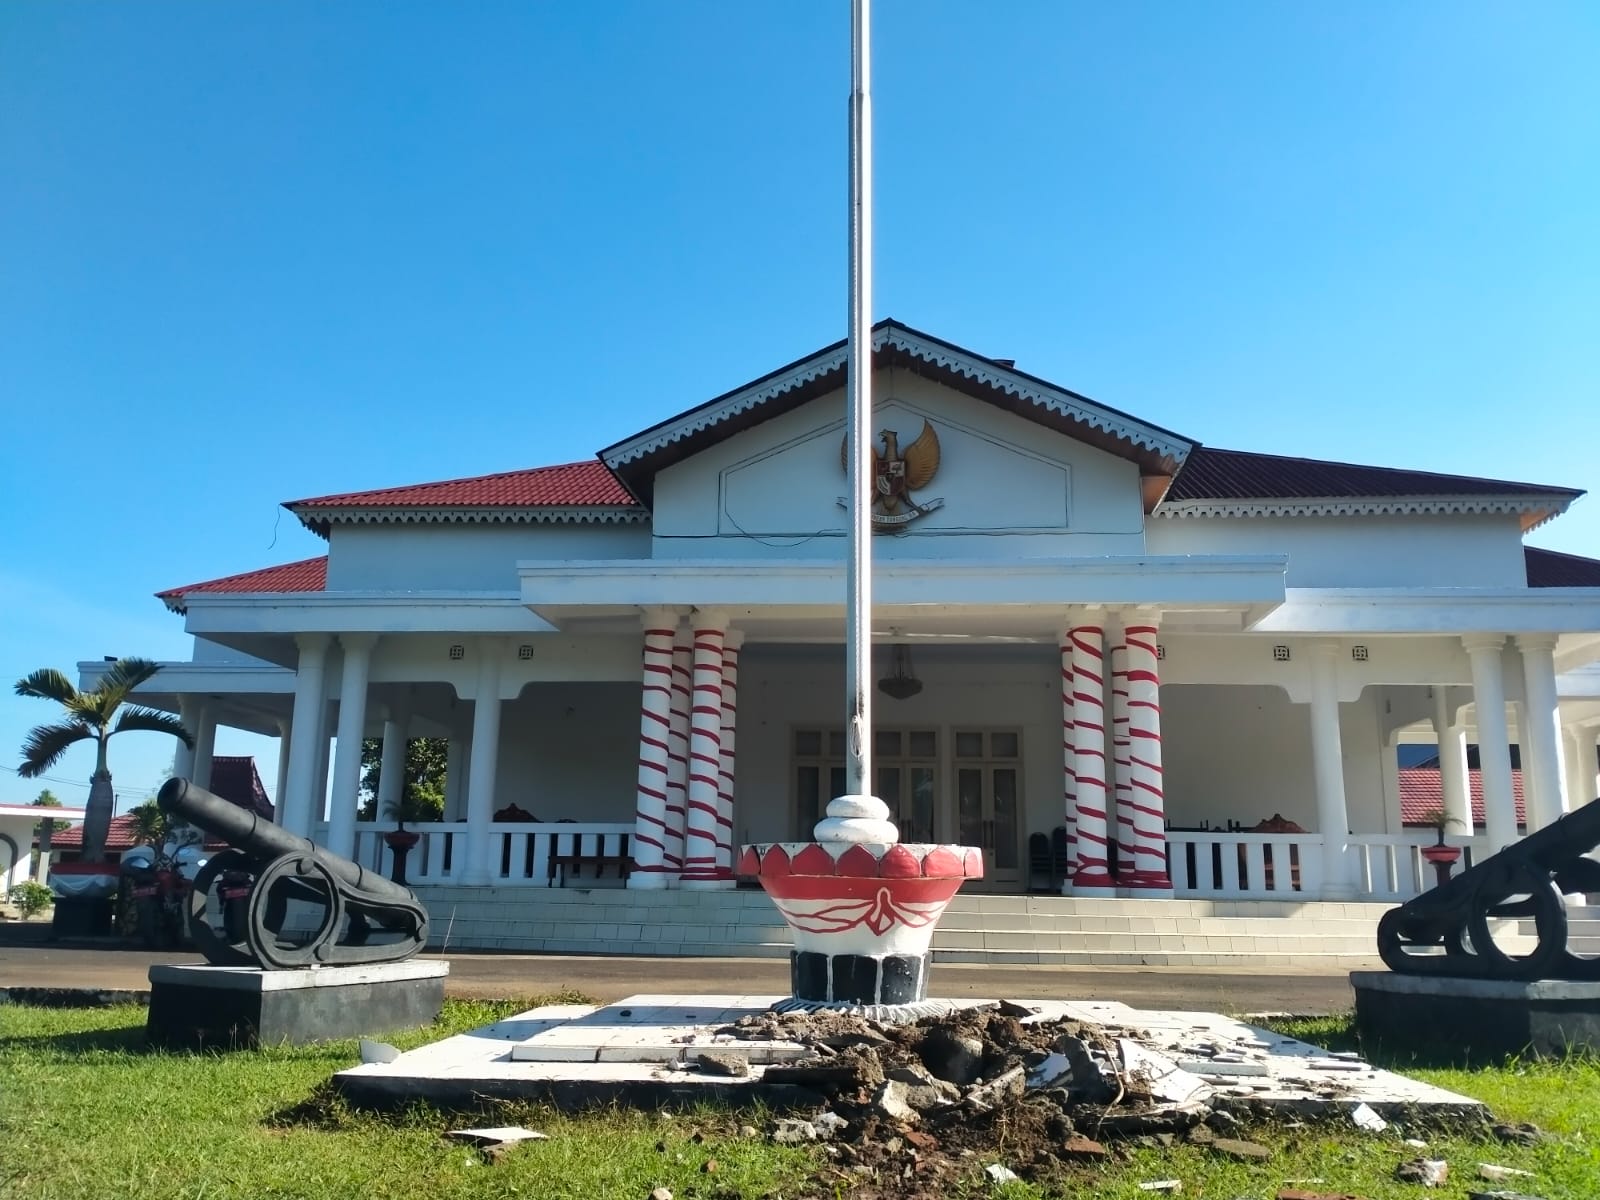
195	1006
1483	1017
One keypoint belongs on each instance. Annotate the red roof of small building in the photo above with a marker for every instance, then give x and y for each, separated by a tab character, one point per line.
1551	568
1212	474
1421	789
233	777
307	575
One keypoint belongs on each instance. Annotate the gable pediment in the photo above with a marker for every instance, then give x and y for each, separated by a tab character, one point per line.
1157	453
991	472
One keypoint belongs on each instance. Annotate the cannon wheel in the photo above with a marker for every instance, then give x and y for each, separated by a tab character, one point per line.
1549	918
303	874
217	949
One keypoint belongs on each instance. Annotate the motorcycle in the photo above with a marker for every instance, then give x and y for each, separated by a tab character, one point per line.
160	883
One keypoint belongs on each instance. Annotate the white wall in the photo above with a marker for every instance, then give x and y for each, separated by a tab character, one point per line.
1353	552
570	750
465	557
213	652
1010	486
1243	753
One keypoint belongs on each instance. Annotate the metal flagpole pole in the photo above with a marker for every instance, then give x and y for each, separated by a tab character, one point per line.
858	384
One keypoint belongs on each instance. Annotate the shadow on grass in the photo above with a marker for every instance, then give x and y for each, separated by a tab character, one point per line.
1341	1033
130	1040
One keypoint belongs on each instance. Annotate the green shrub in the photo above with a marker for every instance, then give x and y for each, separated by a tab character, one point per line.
31	898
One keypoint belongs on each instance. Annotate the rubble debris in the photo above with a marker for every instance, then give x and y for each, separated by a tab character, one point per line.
999	1174
1500	1196
788	1131
1525	1134
1234	1148
1365	1118
661	1193
734	1066
1162	1185
890	1101
1079	1147
1297	1194
828	1125
1429	1172
709	1167
1496	1174
500	1135
951	1056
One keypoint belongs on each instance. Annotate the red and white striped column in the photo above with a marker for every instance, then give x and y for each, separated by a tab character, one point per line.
1121	771
1149	875
652	829
1069	788
705	757
678	747
731	643
1092	877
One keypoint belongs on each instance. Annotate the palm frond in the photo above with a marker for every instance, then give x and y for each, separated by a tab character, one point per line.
47	683
92	708
147	720
47	743
125	675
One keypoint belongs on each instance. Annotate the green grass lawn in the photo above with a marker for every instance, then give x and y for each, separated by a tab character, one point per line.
86	1111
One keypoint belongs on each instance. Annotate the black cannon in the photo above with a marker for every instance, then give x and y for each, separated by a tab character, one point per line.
1525	881
270	884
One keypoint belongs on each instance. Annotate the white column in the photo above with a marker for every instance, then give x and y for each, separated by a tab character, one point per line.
457	751
324	765
651	827
352	729
205	741
1517	735
1572	756
1150	877
1089	762
483	764
183	757
732	642
705	756
392	764
285	741
300	800
1069	784
1494	743
1327	757
1542	737
1453	776
1588	765
678	747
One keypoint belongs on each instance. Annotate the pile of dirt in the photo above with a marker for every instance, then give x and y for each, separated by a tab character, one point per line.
911	1106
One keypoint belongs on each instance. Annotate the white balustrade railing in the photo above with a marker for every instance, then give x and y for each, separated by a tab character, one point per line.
1256	866
521	854
1390	866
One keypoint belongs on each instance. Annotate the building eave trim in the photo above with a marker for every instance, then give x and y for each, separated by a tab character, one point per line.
319	520
1550	504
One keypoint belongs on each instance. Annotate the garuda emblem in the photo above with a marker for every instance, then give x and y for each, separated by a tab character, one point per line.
896	475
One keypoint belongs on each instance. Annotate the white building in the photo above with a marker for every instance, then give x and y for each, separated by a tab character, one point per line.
1217	637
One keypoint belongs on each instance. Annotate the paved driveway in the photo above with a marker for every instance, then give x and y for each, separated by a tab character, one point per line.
609	978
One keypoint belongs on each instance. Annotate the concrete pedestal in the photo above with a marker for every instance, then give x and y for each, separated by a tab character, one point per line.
244	1007
1456	1018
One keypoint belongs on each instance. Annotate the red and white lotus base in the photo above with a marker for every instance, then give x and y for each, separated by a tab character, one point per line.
862	914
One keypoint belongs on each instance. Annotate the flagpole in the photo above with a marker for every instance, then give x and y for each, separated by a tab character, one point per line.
858	383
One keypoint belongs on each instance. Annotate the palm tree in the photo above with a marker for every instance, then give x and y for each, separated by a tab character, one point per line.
150	824
89	716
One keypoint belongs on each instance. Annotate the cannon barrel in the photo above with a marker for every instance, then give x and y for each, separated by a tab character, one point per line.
247	831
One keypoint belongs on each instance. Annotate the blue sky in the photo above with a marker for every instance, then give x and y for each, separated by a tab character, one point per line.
257	251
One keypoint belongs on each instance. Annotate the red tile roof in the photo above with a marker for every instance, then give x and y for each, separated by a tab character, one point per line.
1421	789
233	777
307	575
1211	474
1550	568
578	484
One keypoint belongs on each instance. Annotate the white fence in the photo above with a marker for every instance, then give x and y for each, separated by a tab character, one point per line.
521	854
1288	866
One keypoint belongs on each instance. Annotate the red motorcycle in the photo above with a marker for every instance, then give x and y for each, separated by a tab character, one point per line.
160	884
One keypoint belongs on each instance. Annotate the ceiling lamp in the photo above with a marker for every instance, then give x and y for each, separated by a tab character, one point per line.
901	683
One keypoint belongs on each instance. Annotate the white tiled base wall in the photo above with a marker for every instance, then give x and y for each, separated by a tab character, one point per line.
997	930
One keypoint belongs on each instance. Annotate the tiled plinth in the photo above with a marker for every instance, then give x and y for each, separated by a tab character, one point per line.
620	1060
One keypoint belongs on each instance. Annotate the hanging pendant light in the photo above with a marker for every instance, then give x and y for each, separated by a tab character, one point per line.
901	683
